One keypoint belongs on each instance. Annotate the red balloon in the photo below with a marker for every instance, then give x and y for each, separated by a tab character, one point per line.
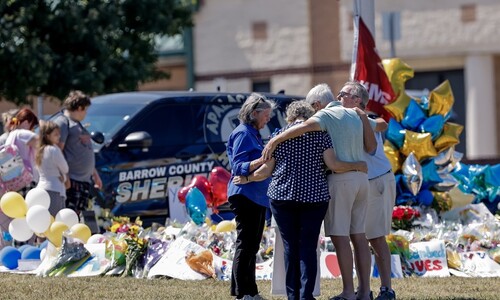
181	194
219	178
201	182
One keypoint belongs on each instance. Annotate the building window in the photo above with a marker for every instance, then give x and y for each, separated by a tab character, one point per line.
261	86
468	13
259	30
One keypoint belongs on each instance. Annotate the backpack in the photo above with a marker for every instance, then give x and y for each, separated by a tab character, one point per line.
14	175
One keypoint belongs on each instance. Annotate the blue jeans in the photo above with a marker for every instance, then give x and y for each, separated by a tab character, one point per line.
299	224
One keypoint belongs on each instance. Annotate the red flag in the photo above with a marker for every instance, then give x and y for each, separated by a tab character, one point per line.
367	68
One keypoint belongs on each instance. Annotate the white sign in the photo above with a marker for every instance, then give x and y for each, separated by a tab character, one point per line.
173	262
428	259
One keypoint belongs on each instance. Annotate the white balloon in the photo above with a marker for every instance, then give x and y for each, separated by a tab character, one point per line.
38	218
68	217
37	196
19	230
42	253
96	239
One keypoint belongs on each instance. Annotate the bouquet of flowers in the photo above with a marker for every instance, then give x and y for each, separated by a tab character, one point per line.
136	248
403	217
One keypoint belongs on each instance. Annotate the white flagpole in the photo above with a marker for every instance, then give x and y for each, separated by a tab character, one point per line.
355	47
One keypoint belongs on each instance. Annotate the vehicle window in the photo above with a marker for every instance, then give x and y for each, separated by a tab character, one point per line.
168	125
109	118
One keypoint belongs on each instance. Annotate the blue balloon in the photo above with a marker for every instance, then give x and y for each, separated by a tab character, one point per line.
24	247
395	133
424	103
196	206
405	199
430	174
31	253
433	125
43	244
492	176
425	197
414	116
9	257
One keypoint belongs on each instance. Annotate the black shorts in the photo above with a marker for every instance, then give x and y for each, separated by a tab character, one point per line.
78	196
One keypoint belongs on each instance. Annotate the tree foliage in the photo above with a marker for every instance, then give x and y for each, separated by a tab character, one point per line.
98	46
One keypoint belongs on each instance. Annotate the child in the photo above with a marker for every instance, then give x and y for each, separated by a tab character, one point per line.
52	166
23	137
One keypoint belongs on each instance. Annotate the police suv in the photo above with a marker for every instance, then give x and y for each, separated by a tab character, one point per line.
153	143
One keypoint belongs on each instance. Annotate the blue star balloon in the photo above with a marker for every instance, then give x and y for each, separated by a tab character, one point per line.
414	116
395	133
434	125
492	176
430	174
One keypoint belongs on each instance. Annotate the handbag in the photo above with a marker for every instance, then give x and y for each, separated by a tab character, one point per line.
14	174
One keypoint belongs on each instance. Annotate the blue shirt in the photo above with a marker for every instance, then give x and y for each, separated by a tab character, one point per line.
378	163
244	145
299	173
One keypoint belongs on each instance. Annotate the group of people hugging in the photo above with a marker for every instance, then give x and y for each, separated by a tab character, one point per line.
327	166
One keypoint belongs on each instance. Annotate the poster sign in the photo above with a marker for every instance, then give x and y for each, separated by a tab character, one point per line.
223	268
479	264
428	259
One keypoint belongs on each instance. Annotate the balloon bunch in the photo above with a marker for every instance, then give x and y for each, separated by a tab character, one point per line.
420	141
483	181
202	193
32	216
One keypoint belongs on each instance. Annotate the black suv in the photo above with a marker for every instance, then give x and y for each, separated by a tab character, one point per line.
155	142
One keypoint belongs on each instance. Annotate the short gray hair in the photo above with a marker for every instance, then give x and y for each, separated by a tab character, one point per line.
359	90
321	93
254	102
299	109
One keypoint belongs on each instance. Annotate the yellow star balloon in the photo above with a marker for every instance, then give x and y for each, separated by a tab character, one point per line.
449	136
398	73
443	200
418	143
393	156
441	99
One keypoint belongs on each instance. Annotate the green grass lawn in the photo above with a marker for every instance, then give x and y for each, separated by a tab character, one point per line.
28	287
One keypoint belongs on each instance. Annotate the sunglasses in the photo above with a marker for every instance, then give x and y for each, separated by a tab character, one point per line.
343	94
254	107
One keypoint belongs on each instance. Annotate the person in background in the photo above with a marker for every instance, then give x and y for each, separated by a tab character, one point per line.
26	141
76	145
248	202
381	200
345	219
299	199
52	166
6	121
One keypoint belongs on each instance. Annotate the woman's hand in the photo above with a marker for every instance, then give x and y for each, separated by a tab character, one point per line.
240	179
362	167
359	111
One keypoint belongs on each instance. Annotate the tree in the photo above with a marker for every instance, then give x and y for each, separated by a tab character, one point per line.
50	47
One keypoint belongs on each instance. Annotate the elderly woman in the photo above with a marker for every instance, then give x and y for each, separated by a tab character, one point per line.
299	196
248	202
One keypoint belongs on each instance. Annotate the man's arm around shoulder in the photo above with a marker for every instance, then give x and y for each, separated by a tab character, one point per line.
290	133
